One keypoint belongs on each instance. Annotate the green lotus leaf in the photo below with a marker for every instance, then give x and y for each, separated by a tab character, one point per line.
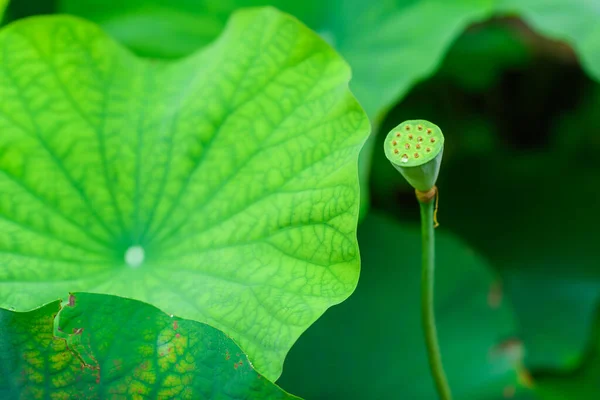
222	188
110	347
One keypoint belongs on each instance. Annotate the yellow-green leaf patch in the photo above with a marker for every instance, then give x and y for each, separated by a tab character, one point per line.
101	347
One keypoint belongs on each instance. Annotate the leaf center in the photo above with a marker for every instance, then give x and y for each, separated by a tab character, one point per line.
134	256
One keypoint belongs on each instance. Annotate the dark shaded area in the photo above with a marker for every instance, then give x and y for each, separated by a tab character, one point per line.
512	110
526	102
518	181
18	9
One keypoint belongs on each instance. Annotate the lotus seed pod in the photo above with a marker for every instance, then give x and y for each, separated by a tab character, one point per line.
415	149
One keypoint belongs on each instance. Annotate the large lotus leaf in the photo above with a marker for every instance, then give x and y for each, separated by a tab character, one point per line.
222	187
110	347
372	346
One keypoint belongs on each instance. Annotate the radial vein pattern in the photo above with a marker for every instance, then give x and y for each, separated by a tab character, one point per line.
222	187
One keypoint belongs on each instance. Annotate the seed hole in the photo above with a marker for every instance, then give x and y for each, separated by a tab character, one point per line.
398	134
418	146
404	158
419	139
420	127
432	140
394	143
407	127
407	146
396	151
429	131
416	155
428	149
410	136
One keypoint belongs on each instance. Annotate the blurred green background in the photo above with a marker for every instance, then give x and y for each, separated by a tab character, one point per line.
514	86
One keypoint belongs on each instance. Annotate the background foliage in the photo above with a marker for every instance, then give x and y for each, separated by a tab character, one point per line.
514	86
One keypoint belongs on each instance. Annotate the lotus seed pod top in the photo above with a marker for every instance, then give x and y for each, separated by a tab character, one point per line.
415	149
